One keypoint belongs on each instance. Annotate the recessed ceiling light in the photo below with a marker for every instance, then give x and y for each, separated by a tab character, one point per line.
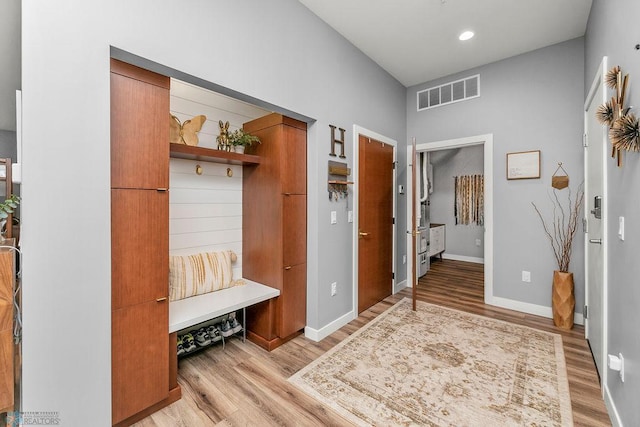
466	35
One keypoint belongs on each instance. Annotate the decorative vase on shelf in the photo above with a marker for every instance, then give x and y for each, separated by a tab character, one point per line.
563	300
239	149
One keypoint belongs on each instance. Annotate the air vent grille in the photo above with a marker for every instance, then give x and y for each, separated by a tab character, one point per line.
449	93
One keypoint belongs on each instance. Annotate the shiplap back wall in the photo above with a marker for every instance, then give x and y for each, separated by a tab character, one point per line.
205	211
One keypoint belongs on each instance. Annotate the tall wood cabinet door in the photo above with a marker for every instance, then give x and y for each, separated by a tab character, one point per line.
139	358
6	370
7	347
139	128
293	300
139	246
294	229
294	161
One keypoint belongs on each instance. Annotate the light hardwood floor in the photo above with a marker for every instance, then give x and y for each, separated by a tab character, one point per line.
244	385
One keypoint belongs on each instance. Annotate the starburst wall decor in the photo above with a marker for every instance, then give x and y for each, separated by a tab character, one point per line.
624	132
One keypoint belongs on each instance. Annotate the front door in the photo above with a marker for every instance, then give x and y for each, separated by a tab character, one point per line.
375	221
594	212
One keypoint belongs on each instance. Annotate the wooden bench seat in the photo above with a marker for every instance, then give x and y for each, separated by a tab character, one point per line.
190	311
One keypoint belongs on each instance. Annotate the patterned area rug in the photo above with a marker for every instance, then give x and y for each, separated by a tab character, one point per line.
442	367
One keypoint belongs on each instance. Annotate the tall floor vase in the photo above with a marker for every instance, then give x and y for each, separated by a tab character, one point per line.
563	301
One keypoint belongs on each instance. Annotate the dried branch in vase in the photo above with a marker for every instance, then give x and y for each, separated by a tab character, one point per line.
563	225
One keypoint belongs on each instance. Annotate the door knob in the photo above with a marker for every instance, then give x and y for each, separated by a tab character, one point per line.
597	241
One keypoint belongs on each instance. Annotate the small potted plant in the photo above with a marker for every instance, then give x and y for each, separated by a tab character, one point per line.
6	208
239	139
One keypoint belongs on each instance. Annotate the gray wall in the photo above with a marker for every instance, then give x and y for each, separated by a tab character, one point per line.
528	102
8	146
281	54
613	31
10	64
460	239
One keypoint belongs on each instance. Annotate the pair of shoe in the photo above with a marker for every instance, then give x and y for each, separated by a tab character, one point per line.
186	344
230	326
206	336
214	333
200	338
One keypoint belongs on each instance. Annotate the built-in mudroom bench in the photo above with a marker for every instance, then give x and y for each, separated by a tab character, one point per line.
220	203
188	312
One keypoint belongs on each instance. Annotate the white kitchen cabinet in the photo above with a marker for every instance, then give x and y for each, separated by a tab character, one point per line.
437	240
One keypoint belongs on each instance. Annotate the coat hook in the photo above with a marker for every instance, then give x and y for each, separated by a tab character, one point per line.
198	169
638	46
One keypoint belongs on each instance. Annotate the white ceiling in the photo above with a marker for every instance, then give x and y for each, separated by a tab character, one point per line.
417	40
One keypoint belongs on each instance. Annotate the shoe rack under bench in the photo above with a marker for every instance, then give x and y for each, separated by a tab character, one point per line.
192	311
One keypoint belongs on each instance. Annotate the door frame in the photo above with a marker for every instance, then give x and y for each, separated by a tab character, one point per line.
598	81
486	141
357	131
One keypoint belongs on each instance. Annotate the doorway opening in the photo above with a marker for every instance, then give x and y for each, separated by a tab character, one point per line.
486	142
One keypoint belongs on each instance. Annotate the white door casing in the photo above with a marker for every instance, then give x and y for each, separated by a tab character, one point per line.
487	142
596	154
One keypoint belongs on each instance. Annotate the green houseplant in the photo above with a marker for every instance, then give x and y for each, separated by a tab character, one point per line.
6	208
239	139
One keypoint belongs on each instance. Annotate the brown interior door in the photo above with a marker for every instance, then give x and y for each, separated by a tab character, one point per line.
375	220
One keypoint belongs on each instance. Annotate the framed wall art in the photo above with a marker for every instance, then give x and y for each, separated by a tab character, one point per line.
523	165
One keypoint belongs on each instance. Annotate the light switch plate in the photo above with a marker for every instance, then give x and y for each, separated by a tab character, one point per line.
621	228
334	217
350	216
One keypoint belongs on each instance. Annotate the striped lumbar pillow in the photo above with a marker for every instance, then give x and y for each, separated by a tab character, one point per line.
200	273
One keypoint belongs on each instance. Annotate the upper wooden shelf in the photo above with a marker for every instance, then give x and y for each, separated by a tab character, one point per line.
181	151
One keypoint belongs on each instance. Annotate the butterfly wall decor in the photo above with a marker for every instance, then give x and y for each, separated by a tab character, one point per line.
187	132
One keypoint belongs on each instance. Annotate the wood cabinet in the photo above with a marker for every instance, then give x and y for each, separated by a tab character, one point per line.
139	242
274	245
7	347
436	240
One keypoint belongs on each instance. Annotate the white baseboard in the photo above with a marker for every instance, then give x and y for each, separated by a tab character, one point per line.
463	258
397	287
525	307
320	334
611	408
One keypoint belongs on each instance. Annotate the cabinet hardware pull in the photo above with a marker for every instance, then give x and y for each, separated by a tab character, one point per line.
287	194
288	267
161	299
362	234
162	189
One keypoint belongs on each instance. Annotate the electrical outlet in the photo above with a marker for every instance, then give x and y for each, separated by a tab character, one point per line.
478	242
526	276
334	289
